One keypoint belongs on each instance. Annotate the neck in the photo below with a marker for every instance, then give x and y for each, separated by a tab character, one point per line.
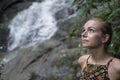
98	54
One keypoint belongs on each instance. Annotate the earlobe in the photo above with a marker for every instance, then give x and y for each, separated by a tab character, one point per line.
106	38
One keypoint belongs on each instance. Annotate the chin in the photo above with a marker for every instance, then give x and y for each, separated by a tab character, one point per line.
86	46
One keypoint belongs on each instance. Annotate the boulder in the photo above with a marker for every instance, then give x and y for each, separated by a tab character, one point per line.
52	60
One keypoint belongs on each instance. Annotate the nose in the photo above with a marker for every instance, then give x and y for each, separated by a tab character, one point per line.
84	34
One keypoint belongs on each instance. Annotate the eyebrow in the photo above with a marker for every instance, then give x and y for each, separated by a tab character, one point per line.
90	27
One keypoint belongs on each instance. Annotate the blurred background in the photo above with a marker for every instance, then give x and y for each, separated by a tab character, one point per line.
41	39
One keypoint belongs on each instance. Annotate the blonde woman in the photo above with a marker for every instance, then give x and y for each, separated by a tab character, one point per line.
98	64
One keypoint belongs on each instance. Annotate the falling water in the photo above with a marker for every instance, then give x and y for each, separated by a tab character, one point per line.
32	25
35	24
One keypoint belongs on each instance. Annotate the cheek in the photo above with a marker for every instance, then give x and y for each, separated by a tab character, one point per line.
95	39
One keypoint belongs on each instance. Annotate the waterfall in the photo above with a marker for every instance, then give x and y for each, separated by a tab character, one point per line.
35	24
32	25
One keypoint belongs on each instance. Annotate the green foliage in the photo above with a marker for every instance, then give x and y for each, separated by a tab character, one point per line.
3	26
2	46
73	32
109	9
1	71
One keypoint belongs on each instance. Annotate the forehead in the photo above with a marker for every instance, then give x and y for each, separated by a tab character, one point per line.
93	23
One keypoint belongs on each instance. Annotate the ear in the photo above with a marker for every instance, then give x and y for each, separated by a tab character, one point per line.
106	37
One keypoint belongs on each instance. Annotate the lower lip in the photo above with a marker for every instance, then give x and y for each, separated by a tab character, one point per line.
84	41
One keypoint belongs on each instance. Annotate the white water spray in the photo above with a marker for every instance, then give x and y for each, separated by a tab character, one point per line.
32	25
35	24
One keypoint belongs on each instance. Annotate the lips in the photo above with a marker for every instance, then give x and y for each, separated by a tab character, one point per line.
84	40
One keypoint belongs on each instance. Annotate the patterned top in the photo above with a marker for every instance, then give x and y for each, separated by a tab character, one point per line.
95	72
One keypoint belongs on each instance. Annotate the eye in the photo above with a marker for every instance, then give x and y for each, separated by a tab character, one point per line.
91	30
83	30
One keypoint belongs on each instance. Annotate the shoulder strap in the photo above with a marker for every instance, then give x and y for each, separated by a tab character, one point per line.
85	63
109	62
87	59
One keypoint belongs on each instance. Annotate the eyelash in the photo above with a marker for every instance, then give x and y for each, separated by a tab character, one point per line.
91	30
83	30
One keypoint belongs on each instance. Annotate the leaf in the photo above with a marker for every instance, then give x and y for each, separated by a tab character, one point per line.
75	1
93	6
113	13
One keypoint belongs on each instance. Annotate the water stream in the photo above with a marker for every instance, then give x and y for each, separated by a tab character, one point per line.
35	24
32	25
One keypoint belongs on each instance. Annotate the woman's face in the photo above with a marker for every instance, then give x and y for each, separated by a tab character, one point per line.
92	36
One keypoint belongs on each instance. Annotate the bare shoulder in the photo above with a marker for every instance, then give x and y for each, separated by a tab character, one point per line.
82	60
116	64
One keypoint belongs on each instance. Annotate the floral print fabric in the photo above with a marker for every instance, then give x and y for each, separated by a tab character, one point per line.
95	72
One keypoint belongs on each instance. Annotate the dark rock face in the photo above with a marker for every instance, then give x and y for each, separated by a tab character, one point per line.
3	39
9	8
5	5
